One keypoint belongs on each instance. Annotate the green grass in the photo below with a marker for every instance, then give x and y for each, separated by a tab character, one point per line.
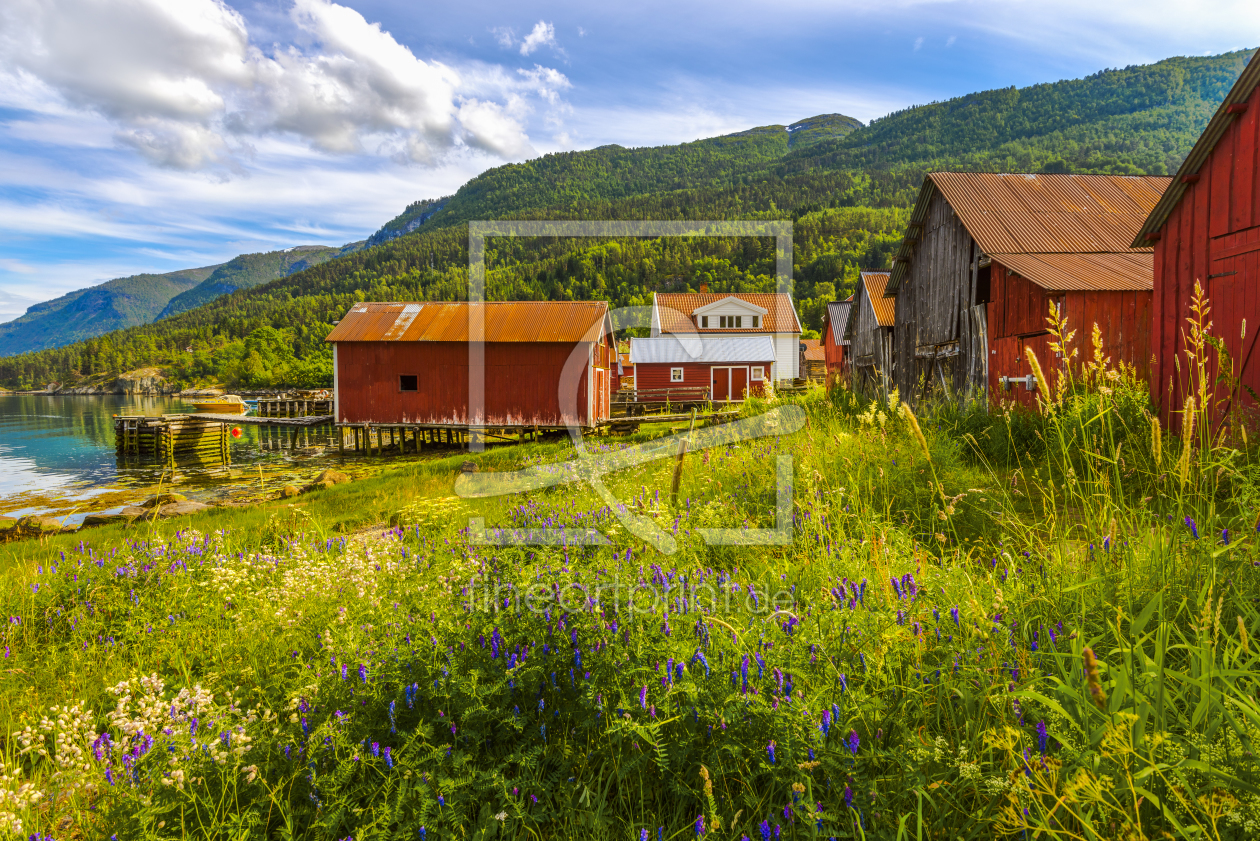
368	684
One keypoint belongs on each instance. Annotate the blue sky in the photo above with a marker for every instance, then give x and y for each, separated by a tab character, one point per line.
152	135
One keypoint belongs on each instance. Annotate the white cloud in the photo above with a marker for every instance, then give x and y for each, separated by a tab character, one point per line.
505	36
183	85
918	43
950	41
542	35
16	266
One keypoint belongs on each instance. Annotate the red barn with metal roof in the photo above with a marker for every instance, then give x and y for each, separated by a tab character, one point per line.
546	363
987	254
1206	230
835	327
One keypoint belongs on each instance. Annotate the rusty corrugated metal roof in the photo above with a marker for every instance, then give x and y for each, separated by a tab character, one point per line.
447	321
1132	272
885	308
1246	84
674	310
1051	213
1044	213
838	314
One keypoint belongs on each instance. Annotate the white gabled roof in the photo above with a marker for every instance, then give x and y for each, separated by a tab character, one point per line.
728	301
702	348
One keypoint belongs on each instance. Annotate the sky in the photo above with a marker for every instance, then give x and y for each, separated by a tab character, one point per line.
154	135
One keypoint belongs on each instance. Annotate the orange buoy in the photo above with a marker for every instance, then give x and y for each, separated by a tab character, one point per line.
236	432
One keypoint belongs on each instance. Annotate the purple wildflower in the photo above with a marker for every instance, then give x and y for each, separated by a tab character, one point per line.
770	751
853	742
1042	738
848	797
1194	529
699	825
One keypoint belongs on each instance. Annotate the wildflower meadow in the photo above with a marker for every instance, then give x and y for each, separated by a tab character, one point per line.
985	624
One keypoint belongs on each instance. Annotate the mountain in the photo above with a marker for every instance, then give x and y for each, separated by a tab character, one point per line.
144	298
615	172
846	187
249	270
84	313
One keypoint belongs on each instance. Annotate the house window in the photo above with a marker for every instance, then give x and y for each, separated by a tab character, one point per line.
704	321
730	322
408	382
675	375
757	374
739	321
754	321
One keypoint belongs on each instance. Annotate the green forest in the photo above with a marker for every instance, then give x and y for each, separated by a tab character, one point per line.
846	188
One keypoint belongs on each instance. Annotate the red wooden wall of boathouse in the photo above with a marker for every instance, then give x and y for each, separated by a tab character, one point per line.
1017	320
1212	235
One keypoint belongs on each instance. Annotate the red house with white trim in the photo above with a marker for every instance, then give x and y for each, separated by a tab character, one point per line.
689	368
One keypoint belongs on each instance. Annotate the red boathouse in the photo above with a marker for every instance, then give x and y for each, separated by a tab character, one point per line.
1206	230
547	364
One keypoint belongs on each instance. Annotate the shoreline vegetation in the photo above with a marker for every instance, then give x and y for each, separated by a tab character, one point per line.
986	624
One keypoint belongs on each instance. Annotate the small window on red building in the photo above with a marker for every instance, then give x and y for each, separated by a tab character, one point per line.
675	375
408	382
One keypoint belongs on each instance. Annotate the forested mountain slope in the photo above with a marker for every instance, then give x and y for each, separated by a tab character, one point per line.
845	190
115	304
248	270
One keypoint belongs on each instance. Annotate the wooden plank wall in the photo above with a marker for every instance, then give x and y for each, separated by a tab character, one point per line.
934	309
870	346
522	385
1212	236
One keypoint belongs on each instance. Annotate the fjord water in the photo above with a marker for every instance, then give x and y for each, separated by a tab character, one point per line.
57	453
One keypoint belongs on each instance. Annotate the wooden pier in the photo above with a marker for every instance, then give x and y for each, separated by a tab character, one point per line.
293	407
378	438
172	437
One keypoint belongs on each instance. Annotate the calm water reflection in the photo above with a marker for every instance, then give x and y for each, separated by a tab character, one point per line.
56	451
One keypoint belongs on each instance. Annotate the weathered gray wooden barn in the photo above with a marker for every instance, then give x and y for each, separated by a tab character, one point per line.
871	334
985	256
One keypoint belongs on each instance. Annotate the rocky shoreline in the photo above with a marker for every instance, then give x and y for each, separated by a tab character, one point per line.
160	506
143	382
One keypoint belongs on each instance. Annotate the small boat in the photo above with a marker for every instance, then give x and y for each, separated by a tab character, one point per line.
227	404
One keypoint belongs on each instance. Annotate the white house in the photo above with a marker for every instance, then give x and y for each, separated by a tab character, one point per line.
736	314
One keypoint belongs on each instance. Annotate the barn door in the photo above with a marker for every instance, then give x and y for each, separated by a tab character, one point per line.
601	394
721	378
739	383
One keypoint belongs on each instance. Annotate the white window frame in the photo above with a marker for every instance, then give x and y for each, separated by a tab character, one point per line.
757	374
754	321
675	375
704	321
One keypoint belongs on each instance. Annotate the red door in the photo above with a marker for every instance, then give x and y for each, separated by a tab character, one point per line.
721	379
739	383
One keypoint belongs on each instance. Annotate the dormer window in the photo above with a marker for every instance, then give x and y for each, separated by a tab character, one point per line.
704	321
730	322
